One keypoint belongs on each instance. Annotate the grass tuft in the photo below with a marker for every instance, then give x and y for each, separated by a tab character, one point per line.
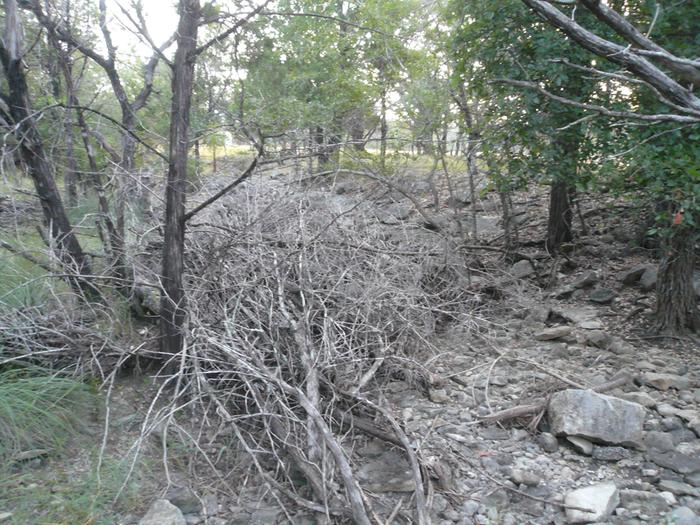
39	411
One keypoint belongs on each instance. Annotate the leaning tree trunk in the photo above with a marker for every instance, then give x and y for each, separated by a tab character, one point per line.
560	216
173	305
676	300
32	152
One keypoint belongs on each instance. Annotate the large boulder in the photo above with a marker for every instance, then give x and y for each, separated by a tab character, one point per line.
600	500
596	417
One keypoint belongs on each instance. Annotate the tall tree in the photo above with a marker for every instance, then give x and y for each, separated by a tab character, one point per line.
20	119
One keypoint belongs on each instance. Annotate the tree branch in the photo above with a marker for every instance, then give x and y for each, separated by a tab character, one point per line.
660	117
618	54
610	17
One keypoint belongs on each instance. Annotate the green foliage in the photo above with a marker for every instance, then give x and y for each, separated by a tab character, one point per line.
39	410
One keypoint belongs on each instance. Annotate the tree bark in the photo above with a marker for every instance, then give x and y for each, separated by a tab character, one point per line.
173	300
560	216
32	152
383	131
676	300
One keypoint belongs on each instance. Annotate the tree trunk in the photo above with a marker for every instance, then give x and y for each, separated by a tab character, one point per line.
383	132
560	216
70	173
321	150
32	151
676	300
173	305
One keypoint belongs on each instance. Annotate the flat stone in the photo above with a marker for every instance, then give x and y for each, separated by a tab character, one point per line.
162	512
641	398
661	441
555	332
577	315
666	381
633	275
643	501
676	461
682	516
585	280
602	296
601	499
694	479
596	417
678	488
4	516
581	445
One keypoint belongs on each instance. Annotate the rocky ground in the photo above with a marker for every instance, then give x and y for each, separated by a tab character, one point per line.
511	429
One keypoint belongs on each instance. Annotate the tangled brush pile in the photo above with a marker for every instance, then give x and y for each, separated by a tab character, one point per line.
299	307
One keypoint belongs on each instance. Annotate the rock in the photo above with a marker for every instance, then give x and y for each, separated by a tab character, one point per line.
641	398
469	508
564	292
681	516
661	441
679	488
522	269
642	501
555	332
633	275
580	445
389	472
184	499
162	512
578	316
394	213
438	395
524	477
666	381
676	461
601	499
4	516
602	296
596	417
694	479
648	280
585	280
611	453
344	187
596	338
548	442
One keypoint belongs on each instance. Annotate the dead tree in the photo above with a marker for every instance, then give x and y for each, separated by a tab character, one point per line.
20	120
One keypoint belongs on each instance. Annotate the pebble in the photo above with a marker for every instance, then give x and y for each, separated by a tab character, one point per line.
548	442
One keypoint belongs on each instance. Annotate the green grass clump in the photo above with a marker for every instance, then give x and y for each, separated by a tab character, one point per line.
39	411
